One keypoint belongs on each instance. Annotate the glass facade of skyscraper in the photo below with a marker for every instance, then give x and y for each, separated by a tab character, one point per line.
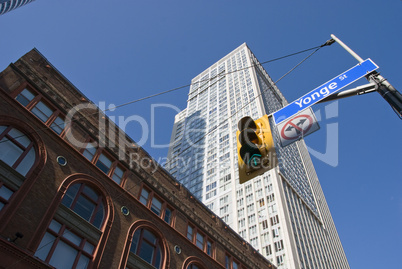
8	5
283	213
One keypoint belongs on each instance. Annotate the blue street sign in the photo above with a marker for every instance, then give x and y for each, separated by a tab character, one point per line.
325	90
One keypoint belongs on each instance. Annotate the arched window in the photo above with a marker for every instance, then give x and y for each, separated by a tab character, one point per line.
16	149
75	229
147	246
87	203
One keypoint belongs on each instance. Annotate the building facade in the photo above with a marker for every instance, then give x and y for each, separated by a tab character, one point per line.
283	213
77	192
8	5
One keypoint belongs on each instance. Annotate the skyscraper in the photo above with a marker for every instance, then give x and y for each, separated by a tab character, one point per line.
8	5
283	214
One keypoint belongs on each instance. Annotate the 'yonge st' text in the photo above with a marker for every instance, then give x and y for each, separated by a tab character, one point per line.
325	89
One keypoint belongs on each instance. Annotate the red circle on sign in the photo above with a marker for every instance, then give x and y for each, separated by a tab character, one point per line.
302	132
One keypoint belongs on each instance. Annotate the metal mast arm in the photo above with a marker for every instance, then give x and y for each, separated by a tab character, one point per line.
382	86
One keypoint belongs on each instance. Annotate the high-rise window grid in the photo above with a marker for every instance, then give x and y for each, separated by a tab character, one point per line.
231	96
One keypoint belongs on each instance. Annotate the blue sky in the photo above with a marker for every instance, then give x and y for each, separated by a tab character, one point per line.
119	51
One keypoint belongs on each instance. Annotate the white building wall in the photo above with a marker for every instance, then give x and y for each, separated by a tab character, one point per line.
277	213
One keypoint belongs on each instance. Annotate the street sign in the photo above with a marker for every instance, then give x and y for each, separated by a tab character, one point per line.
325	90
298	126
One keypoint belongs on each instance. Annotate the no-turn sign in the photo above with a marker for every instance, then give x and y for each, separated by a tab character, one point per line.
298	126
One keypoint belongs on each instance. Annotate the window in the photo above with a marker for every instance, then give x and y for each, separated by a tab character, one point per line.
268	250
254	242
275	232
168	215
249	198
104	162
224	210
251	219
118	175
89	151
209	247
227	262
264	224
250	208
231	263
147	246
253	230
240	202
274	220
144	196
16	149
37	104
62	248
5	195
265	239
268	188
156	205
224	200
278	245
240	213
211	206
190	233
84	201
280	259
58	125
210	194
272	209
42	111
75	227
235	265
200	240
248	188
25	97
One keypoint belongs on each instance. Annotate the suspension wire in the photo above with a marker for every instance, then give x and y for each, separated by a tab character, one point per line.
165	92
149	175
224	121
210	79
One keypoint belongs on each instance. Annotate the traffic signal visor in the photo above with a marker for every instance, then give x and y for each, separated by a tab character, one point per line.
255	148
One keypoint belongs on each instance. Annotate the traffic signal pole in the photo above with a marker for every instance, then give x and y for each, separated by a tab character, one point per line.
367	88
382	86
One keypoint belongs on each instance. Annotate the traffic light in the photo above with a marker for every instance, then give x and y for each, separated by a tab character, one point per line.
255	148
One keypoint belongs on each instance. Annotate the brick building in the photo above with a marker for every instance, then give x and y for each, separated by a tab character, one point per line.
80	193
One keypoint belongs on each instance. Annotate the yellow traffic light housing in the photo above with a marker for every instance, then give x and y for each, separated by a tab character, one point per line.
255	148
